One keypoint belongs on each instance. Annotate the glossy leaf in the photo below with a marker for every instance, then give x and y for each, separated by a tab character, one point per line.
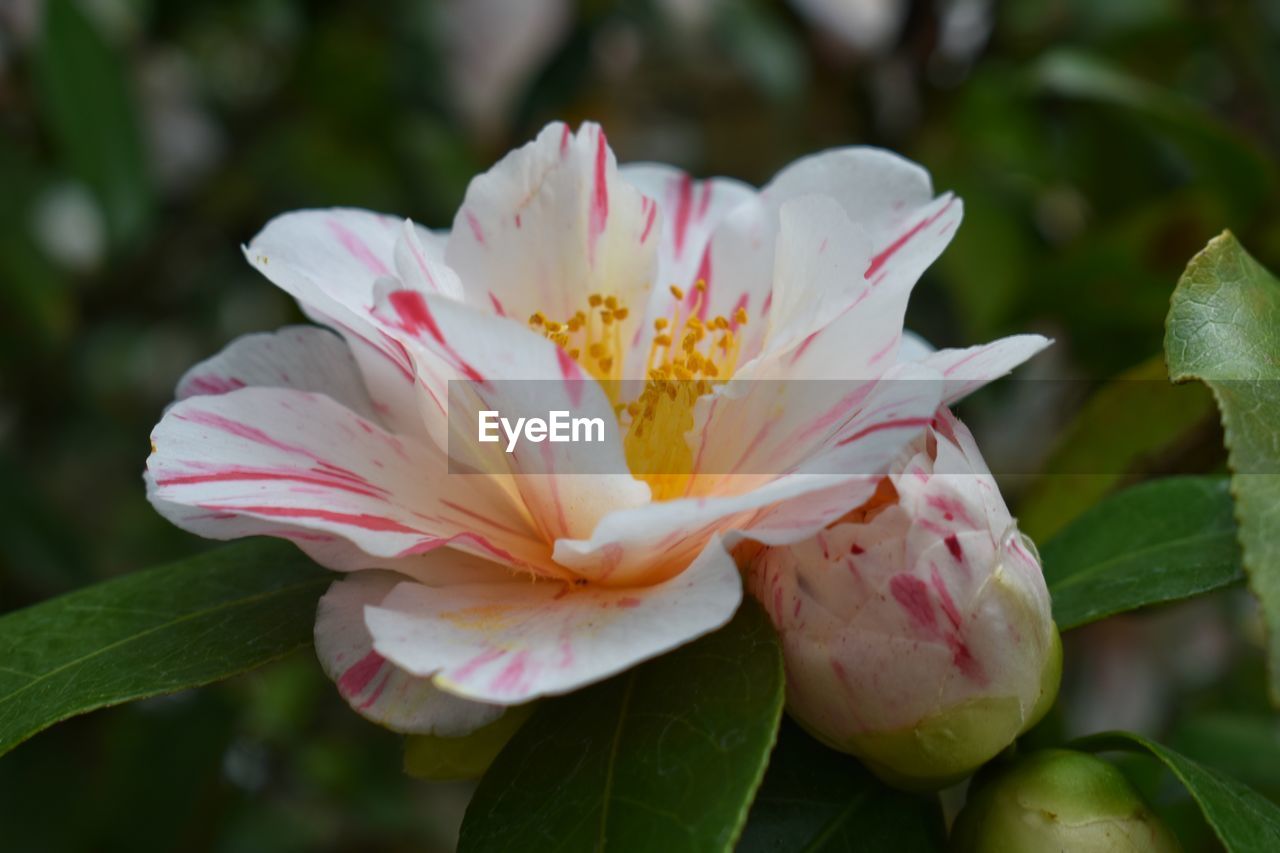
1134	417
816	799
1244	820
155	631
664	757
1224	329
1156	542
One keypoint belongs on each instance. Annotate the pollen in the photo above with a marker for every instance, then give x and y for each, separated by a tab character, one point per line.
689	354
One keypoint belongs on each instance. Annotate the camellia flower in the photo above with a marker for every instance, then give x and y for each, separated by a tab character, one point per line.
474	591
917	631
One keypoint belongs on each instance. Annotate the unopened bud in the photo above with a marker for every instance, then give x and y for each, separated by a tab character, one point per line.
917	630
1059	800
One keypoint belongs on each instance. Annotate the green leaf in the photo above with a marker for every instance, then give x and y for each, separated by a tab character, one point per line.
664	757
816	799
1246	745
1244	820
1134	417
156	631
86	101
1224	329
1223	156
1156	542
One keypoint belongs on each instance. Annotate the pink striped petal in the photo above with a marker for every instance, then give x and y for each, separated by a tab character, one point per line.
510	643
684	213
329	260
307	358
888	198
551	223
281	462
968	369
509	369
419	262
655	541
375	687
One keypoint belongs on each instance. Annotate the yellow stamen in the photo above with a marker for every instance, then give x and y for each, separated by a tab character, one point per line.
656	423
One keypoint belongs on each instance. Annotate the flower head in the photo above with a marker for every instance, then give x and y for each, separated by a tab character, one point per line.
528	577
916	630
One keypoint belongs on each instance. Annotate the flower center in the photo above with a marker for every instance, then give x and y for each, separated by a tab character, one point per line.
688	356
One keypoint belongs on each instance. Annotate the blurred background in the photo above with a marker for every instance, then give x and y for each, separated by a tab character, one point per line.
1097	144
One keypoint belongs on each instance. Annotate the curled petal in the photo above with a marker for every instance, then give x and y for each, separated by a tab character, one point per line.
329	261
375	687
512	642
266	461
306	358
968	369
550	224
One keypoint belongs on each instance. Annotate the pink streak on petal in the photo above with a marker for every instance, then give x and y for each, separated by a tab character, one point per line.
354	681
704	275
377	692
356	247
513	675
599	214
901	423
944	598
415	315
469	668
212	385
497	304
884	350
651	216
476	230
363	520
911	593
244	475
964	660
883	258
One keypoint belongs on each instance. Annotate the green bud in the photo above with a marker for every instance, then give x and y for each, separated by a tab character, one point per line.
1055	800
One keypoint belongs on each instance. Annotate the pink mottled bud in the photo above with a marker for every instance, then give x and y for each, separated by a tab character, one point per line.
917	630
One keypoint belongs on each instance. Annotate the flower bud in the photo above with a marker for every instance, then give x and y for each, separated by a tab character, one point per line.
1059	800
916	630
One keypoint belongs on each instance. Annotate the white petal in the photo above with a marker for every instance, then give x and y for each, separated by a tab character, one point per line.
688	212
968	369
513	642
656	540
890	199
550	224
269	461
307	358
376	688
511	371
329	260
